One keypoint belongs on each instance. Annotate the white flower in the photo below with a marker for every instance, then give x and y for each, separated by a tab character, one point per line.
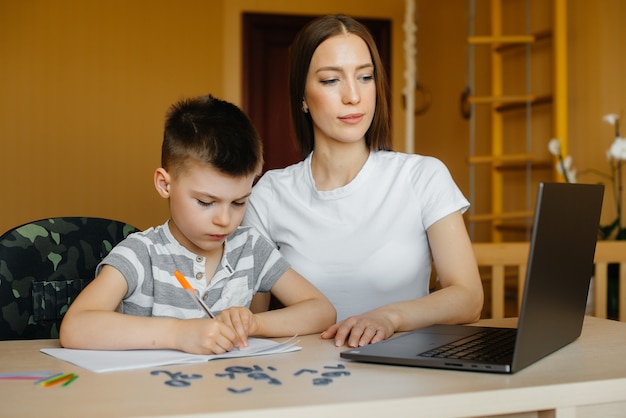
571	171
618	149
563	165
611	118
554	146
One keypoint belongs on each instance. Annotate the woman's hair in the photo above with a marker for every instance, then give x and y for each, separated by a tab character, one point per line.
211	131
301	52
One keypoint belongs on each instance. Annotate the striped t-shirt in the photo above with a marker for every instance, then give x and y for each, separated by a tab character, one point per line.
148	259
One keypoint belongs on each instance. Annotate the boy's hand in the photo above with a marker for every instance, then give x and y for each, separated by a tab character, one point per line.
242	321
205	336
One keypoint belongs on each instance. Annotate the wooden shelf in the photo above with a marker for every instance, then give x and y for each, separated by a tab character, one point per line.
514	99
501	159
508	153
501	39
516	166
508	42
488	217
538	36
514	227
537	100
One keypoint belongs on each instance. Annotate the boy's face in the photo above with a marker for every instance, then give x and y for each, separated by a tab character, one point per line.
206	205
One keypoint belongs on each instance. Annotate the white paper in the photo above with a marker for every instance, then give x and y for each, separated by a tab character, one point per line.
101	361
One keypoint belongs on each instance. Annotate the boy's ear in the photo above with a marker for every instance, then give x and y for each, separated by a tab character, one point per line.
162	182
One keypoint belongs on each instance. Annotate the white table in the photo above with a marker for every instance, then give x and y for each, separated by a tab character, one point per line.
586	378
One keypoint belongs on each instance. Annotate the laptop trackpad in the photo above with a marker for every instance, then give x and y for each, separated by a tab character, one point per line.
426	339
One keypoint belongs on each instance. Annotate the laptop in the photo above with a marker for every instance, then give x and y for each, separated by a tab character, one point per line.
560	266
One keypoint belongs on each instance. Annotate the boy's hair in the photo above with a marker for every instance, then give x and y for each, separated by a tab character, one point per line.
211	131
304	45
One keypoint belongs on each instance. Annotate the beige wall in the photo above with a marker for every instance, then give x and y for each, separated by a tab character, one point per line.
85	84
442	65
597	81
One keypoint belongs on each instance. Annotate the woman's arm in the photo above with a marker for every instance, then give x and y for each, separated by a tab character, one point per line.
460	299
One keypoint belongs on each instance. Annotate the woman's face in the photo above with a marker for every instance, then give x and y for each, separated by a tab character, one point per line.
340	91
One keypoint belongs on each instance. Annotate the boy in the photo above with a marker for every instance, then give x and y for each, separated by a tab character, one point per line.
211	154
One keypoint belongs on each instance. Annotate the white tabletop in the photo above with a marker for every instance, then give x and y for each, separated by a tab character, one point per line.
586	375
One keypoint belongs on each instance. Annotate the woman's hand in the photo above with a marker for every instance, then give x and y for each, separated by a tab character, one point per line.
360	330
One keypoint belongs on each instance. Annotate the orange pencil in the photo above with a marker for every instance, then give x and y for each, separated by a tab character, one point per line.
58	380
71	380
192	292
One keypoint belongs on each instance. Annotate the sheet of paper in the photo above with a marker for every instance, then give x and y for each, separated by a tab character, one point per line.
101	361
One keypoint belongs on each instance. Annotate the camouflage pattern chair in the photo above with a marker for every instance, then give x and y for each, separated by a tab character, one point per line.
44	265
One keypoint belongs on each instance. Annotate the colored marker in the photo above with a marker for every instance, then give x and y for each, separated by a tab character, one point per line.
71	380
47	378
65	377
25	376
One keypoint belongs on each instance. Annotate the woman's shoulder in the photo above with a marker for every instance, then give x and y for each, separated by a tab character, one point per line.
285	172
282	178
401	160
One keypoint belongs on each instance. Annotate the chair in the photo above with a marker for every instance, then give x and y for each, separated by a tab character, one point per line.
609	252
44	265
496	257
508	260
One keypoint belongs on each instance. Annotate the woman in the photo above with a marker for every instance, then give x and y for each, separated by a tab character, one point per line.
360	222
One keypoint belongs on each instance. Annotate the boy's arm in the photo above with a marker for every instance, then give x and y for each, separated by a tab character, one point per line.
306	310
93	323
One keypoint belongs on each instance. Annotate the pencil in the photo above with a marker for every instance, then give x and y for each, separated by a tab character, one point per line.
25	376
192	292
64	377
71	380
45	379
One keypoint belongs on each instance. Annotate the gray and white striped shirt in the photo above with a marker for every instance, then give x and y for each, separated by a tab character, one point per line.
147	261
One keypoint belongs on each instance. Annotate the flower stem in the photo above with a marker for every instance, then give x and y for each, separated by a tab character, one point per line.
619	196
563	169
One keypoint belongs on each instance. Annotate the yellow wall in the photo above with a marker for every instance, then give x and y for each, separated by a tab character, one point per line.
441	131
85	85
597	86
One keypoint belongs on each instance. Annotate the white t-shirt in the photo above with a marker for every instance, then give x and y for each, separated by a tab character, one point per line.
363	245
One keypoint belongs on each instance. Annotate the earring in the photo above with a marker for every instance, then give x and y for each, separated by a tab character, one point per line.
305	109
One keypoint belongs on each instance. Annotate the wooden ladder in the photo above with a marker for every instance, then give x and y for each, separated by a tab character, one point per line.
514	113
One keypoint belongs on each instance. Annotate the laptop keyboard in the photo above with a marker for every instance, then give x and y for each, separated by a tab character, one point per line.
489	345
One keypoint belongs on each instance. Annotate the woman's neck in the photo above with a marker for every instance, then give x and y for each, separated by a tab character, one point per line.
336	166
